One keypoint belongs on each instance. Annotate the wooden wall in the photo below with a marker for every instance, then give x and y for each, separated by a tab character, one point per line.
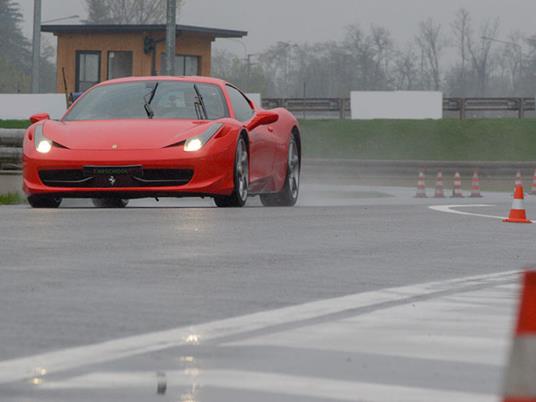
68	44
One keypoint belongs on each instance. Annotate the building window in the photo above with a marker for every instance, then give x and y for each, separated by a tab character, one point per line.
184	65
87	70
119	64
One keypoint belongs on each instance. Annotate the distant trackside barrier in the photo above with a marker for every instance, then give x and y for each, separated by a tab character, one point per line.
463	108
400	105
22	106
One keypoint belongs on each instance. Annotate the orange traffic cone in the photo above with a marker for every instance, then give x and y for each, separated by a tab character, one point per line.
520	385
518	213
439	187
421	186
475	186
519	179
533	189
457	189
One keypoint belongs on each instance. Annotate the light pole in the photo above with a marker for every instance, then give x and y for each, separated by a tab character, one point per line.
520	53
36	46
171	36
36	43
504	42
241	42
71	17
249	64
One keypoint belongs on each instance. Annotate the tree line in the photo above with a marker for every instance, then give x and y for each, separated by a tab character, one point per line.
461	59
128	11
15	54
15	48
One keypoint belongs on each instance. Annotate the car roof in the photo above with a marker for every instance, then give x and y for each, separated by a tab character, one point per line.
194	78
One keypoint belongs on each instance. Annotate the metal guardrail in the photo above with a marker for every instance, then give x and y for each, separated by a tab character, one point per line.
11	148
11	139
460	105
464	105
312	105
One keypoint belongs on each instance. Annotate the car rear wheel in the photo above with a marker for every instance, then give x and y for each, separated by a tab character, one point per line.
110	202
289	195
241	179
44	201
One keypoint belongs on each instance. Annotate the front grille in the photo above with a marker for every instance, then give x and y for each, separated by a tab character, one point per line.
65	178
80	178
167	174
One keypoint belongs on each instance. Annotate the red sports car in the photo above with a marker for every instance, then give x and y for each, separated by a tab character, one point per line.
163	137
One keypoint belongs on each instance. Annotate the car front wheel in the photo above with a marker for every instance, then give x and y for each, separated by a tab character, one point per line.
44	201
289	195
241	179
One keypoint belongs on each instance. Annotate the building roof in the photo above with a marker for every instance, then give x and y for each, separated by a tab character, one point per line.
216	32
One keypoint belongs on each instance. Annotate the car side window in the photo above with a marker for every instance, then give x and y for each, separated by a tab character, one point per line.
241	106
214	101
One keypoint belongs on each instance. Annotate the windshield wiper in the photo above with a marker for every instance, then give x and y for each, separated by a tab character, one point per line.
148	100
200	107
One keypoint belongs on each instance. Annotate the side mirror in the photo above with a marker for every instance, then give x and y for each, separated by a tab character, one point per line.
39	117
262	119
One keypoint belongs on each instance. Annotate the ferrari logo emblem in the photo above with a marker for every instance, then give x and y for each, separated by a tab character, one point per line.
112	180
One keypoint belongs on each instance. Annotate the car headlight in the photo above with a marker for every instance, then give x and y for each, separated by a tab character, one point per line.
196	143
42	145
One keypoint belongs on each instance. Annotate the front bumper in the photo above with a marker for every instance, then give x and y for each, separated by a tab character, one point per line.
210	172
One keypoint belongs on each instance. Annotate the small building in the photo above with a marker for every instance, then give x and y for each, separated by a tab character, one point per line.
89	54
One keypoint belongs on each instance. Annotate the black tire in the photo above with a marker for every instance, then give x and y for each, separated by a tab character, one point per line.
109	202
289	195
44	201
239	196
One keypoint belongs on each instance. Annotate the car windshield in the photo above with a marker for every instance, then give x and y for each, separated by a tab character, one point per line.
172	100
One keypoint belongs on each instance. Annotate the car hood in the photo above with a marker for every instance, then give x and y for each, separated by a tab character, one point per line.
122	134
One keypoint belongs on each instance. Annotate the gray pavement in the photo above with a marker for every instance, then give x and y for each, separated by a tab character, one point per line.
80	275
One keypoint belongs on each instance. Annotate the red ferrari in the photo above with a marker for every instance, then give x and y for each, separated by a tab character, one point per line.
163	137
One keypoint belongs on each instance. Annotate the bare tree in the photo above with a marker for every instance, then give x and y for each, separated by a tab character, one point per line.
371	55
480	52
248	76
278	62
371	60
461	28
127	11
516	58
432	44
383	45
406	70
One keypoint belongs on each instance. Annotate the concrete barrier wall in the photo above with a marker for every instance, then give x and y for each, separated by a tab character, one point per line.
418	105
22	106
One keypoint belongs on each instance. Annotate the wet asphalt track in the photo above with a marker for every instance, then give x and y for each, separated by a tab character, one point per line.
80	275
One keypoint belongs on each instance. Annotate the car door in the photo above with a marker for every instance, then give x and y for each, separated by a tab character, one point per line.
261	146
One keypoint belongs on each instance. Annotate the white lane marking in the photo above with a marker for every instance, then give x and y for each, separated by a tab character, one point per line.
310	387
66	359
438	329
449	209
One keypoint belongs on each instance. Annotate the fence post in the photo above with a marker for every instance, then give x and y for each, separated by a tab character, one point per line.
341	108
462	108
521	108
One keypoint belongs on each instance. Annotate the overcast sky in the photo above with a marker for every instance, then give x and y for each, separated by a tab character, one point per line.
318	20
